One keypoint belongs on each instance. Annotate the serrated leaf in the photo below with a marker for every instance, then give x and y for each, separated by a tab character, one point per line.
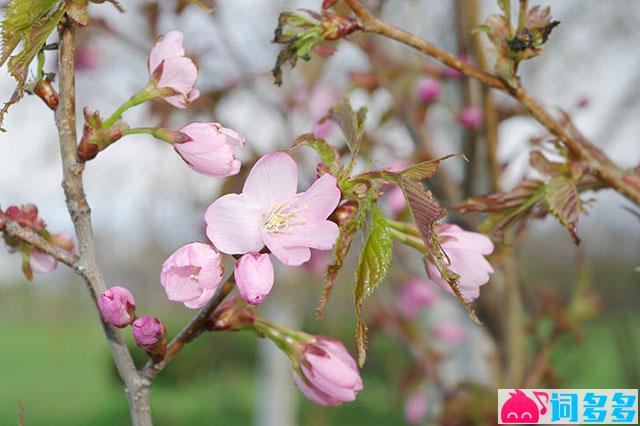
350	122
373	266
325	150
19	17
538	161
427	213
343	246
425	169
563	202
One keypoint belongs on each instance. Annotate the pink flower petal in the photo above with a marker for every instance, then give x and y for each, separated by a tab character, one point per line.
168	46
41	262
291	256
179	74
320	200
273	178
234	224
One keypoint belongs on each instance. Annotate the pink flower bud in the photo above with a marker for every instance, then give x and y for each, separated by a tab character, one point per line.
148	331
450	332
172	70
415	408
470	117
415	295
88	57
429	90
327	373
396	201
117	306
210	149
254	277
454	73
41	262
192	274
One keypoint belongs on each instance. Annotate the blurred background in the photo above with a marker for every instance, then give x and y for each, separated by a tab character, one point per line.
53	359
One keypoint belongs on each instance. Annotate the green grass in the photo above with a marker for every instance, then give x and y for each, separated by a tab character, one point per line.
55	361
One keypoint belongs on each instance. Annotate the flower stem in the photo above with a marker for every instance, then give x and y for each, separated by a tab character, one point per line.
408	240
405	228
160	133
148	92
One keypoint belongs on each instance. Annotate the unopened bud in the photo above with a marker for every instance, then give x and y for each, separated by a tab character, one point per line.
45	91
150	334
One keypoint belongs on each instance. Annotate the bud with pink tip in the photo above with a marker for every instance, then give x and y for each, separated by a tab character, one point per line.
192	274
210	148
254	277
326	373
470	117
415	408
150	334
117	306
171	70
429	90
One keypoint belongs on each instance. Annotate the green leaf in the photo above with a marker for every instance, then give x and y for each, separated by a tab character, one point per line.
373	266
325	150
29	21
563	202
343	246
19	17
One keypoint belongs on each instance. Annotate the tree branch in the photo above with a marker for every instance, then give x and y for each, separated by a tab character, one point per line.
136	389
607	171
34	239
193	329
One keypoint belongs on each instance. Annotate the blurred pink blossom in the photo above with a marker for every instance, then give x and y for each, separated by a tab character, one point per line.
450	332
429	90
41	262
470	117
171	69
319	261
270	212
192	274
327	373
211	149
415	295
254	277
88	57
465	251
454	73
117	306
415	407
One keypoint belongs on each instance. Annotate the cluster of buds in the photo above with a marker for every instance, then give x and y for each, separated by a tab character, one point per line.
301	32
96	137
118	308
33	259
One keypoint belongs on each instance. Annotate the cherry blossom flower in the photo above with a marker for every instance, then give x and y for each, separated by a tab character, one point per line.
254	277
327	373
171	69
192	274
117	306
465	251
450	332
270	212
210	149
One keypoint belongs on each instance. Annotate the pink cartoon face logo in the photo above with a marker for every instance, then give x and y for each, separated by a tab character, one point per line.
521	409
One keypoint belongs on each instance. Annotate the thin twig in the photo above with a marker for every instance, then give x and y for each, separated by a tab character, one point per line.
34	239
136	389
193	329
606	170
